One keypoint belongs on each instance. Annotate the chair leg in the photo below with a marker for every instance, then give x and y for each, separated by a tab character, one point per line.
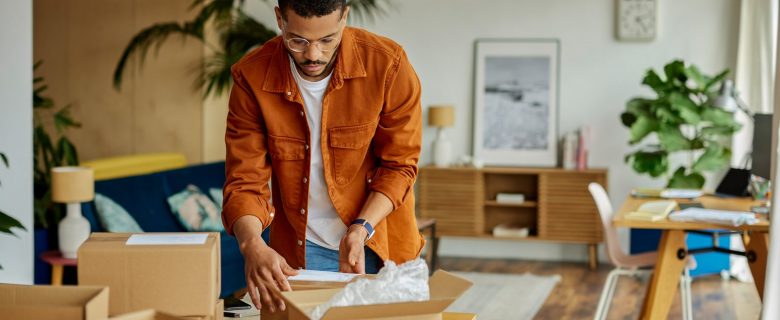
685	295
606	295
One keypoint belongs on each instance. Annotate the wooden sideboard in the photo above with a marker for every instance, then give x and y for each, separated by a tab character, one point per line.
558	206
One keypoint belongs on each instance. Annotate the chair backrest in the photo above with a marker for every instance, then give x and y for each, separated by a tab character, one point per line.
614	251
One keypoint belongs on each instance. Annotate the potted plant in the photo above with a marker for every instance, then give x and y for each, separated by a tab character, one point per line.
49	150
7	223
680	118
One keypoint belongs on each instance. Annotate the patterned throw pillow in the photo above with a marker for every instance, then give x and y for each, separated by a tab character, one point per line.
114	218
216	194
195	211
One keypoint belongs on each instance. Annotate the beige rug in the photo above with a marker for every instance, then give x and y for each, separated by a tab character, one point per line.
504	296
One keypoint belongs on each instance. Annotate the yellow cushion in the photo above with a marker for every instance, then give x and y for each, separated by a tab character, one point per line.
133	165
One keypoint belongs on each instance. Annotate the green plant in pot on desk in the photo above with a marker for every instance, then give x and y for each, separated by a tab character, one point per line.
681	118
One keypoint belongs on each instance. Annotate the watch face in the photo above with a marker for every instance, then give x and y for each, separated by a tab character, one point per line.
636	19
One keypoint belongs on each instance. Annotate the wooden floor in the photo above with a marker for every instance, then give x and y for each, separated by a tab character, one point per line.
577	295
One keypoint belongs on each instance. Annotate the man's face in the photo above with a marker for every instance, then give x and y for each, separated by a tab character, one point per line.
323	35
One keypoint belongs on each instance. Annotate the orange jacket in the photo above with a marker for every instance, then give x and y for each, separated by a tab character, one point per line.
371	137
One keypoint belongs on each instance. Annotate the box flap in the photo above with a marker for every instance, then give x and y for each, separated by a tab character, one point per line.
445	285
388	310
47	302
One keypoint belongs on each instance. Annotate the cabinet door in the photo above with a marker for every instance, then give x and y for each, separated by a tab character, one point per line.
566	209
453	198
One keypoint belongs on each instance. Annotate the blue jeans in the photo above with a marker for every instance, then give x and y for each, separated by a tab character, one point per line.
324	259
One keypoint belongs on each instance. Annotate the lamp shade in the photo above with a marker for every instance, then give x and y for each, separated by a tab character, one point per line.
441	116
726	99
72	184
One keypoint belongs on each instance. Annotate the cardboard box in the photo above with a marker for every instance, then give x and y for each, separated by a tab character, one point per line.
151	314
47	302
297	285
445	288
182	280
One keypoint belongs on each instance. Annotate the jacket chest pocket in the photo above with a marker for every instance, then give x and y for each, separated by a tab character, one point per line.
288	161
349	149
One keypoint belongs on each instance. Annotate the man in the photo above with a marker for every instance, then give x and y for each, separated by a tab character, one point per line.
330	114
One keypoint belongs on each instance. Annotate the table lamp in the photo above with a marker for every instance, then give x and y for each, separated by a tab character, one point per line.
729	100
441	116
72	186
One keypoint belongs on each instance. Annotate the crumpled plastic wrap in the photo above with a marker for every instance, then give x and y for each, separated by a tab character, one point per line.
404	283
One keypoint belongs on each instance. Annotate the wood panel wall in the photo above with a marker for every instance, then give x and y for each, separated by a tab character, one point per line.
157	110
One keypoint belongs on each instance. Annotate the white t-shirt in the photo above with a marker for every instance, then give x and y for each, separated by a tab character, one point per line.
323	227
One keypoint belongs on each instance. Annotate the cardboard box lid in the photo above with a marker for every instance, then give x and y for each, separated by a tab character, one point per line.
183	280
445	288
47	302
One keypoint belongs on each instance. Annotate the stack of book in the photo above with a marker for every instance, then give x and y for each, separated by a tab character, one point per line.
513	198
653	210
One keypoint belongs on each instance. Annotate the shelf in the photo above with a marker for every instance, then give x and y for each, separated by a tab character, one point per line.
526	204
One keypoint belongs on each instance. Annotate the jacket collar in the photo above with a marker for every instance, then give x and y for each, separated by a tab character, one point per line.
349	65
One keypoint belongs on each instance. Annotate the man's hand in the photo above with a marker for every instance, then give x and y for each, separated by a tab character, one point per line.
266	274
352	254
266	271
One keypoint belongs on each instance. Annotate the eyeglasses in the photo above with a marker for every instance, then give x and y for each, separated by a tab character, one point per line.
301	44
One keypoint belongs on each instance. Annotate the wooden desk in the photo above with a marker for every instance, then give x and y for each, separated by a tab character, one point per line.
672	251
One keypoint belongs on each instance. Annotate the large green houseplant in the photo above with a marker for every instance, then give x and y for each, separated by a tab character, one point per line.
680	118
49	150
237	34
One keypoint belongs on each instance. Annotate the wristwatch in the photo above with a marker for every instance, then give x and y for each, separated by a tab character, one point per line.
366	225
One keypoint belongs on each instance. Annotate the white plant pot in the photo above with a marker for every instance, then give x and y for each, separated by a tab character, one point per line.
73	231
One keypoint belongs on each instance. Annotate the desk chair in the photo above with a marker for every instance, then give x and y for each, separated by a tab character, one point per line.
629	265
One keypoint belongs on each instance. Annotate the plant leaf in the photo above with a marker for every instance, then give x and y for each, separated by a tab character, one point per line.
627	119
714	158
675	70
654	163
715	80
67	152
7	223
63	120
692	73
718	131
672	139
685	107
680	180
641	128
654	81
4	159
719	117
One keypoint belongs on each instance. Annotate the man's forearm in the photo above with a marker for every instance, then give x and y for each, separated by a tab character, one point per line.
376	208
248	230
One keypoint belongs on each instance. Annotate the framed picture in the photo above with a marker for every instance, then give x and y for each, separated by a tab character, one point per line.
516	102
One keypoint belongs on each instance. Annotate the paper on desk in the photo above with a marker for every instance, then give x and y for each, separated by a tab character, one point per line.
166	239
724	217
315	275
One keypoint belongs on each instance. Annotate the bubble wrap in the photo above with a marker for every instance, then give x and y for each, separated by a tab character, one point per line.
404	283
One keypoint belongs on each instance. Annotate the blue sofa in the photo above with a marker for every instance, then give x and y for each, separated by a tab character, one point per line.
145	198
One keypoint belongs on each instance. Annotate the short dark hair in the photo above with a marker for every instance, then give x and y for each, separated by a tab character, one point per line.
312	8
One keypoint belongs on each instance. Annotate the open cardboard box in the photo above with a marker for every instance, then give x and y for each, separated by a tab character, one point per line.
303	285
182	280
47	302
445	288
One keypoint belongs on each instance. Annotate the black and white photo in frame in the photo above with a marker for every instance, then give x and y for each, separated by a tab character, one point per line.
516	102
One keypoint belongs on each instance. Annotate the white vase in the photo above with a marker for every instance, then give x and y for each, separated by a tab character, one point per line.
442	150
73	231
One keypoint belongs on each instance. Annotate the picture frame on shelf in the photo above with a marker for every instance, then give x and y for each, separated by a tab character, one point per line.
516	83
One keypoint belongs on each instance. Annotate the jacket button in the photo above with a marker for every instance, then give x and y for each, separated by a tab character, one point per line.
305	180
369	180
307	147
302	114
289	93
303	211
300	243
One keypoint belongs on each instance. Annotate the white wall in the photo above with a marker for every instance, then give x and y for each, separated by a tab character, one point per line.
16	191
598	74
